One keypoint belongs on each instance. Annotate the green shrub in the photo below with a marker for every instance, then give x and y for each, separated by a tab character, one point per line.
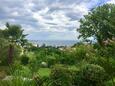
60	76
34	66
109	65
24	59
24	72
91	75
68	58
81	52
51	61
12	68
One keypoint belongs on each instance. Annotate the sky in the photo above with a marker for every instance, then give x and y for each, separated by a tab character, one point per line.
47	19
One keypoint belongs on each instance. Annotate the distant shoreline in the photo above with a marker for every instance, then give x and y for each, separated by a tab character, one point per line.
54	42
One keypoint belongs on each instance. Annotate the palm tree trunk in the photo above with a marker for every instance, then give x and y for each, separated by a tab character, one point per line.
10	54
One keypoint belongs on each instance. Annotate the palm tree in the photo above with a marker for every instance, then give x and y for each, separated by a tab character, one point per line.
14	34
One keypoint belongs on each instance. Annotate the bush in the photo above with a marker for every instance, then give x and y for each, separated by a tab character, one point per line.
60	76
34	65
24	59
68	58
24	72
81	52
51	61
91	75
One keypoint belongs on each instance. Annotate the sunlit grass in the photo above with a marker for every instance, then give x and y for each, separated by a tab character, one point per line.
44	72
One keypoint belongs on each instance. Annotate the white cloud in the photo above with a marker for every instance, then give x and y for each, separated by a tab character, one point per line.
15	13
47	16
111	1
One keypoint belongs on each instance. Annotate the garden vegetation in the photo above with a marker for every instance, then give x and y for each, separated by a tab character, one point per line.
87	63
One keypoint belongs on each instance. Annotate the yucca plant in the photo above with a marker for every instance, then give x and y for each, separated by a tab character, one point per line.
18	76
18	81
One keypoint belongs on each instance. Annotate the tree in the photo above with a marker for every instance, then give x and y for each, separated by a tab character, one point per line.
99	23
14	34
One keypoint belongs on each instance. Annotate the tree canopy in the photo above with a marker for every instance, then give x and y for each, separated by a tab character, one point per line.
99	23
14	33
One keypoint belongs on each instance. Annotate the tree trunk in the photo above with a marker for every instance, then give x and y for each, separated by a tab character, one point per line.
99	40
10	54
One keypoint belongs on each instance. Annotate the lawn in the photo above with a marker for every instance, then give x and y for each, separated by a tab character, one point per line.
44	72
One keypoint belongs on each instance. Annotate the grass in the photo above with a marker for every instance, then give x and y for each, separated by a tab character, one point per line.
73	67
44	72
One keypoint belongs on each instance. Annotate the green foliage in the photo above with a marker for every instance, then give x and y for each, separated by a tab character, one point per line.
13	38
14	33
24	59
91	75
109	65
81	52
99	23
68	57
106	59
60	76
18	81
108	50
76	54
83	64
4	53
18	76
19	70
24	72
42	81
51	61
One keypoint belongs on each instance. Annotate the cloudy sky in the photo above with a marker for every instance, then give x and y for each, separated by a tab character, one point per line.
47	19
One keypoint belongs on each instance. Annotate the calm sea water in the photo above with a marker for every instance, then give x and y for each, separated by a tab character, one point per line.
54	42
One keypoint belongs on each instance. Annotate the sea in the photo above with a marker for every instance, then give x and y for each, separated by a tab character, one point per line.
54	42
